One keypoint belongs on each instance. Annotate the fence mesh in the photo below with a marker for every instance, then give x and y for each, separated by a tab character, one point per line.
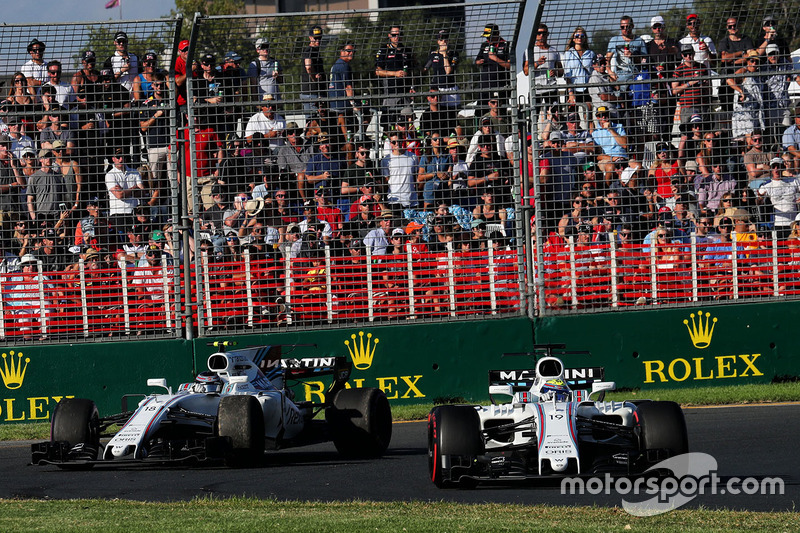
667	152
331	169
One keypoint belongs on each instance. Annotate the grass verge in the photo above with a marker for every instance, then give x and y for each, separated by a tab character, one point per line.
247	515
733	394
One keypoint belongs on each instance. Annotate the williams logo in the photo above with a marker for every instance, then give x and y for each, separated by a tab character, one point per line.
14	374
362	353
701	330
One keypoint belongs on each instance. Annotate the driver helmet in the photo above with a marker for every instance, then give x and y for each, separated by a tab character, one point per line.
207	382
555	388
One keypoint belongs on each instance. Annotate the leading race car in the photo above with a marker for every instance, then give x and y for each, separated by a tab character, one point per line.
551	427
241	407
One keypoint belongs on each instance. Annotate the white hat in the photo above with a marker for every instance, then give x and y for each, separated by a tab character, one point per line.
658	19
254	206
772	49
627	174
27	258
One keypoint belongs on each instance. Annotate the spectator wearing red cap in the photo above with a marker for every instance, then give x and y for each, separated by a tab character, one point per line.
704	50
180	72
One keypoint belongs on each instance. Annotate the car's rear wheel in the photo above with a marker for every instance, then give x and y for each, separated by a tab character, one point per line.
361	422
77	422
454	439
241	420
662	426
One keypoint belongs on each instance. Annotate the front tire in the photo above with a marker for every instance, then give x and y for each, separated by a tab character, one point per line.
662	426
241	419
361	422
76	421
454	439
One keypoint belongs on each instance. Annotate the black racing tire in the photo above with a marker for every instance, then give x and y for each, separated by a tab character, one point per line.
76	421
240	418
662	426
360	422
454	434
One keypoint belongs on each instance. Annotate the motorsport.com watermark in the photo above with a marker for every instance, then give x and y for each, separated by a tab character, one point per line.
693	474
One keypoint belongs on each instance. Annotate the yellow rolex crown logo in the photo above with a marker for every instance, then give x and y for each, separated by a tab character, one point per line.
13	375
701	330
360	352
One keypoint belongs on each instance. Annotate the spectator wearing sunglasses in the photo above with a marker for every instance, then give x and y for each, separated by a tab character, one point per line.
35	69
123	63
704	50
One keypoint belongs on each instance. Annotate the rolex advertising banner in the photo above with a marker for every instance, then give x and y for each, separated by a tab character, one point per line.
705	345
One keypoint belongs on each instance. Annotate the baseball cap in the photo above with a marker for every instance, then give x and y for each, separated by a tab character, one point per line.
772	49
183	45
556	136
58	144
769	20
157	235
292	127
590	166
601	110
627	174
398	231
27	151
412	226
658	19
776	161
573	117
89	56
232	56
120	35
490	29
315	31
452	142
687	49
208	59
442	34
599	60
691	16
27	258
262	43
44	152
694	119
150	56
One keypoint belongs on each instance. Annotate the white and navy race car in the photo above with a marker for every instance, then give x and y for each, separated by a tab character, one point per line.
551	425
234	412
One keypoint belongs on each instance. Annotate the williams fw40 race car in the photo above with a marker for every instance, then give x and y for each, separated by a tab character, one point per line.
552	426
234	412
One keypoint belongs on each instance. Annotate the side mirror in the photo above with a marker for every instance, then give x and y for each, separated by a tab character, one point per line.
501	390
600	388
159	382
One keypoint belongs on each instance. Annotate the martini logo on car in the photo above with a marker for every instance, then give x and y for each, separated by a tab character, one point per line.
360	352
14	374
701	327
701	332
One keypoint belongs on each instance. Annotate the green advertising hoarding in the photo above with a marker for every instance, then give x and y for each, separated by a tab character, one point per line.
667	348
705	345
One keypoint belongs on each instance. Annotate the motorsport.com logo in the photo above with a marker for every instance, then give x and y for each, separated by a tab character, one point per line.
693	474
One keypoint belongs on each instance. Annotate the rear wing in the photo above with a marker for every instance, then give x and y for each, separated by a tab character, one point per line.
580	378
274	365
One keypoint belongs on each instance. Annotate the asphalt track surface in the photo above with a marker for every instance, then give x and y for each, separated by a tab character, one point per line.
752	441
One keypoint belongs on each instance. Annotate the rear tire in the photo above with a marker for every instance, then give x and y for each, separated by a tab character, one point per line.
361	422
241	419
454	436
76	421
662	426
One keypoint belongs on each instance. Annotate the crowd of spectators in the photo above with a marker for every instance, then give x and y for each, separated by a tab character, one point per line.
651	133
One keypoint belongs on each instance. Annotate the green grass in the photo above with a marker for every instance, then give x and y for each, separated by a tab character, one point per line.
248	515
733	394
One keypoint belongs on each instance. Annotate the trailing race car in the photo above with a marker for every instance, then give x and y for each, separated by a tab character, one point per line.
551	427
234	412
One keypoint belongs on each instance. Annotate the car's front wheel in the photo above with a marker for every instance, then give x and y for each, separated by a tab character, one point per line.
454	439
662	427
76	422
241	420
